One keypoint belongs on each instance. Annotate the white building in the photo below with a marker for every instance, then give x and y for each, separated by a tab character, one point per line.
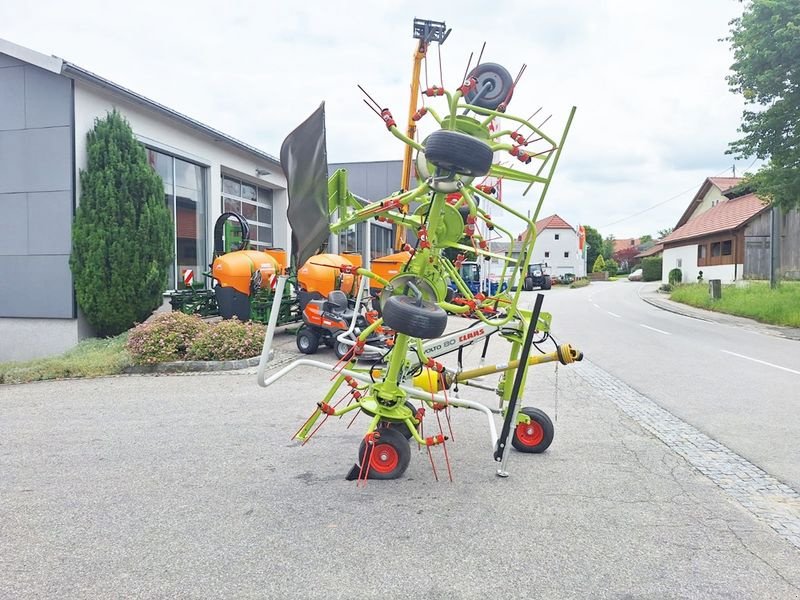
557	246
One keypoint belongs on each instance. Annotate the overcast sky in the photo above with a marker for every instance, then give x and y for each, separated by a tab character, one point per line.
648	78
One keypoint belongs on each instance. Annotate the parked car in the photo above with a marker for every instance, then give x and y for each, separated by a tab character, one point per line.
635	276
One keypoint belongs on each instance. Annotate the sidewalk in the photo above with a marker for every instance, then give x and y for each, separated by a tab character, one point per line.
650	294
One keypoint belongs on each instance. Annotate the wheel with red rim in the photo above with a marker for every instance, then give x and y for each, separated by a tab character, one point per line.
534	437
388	457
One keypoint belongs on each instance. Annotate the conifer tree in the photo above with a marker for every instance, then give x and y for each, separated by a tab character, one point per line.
122	237
599	264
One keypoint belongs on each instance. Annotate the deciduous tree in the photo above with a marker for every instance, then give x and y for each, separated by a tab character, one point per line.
766	48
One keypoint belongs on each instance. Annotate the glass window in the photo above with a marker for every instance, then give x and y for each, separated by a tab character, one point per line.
716	249
264	214
566	254
231	205
382	241
557	236
547	255
248	191
254	204
727	247
249	211
265	196
184	193
701	251
231	186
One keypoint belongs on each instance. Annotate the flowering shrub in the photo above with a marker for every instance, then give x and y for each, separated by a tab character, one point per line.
165	338
227	340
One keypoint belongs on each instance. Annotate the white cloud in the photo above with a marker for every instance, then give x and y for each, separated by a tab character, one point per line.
654	112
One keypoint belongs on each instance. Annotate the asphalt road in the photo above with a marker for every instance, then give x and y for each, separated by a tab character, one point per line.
737	385
189	487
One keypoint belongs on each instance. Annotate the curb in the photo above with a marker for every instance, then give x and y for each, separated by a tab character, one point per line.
193	366
787	333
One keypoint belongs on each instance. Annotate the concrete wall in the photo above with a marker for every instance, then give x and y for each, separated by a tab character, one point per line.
158	131
36	192
685	259
371	180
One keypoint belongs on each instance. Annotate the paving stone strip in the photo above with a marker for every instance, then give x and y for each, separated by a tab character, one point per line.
767	498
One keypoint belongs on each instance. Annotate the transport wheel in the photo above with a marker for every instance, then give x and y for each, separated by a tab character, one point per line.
404	315
307	340
500	85
528	285
389	457
548	283
536	436
458	152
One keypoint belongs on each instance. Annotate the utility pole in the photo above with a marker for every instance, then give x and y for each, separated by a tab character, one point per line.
774	247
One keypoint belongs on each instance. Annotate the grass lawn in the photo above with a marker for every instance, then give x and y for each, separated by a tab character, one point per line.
90	358
757	301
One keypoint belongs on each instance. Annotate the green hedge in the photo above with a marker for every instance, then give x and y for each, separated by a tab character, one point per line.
651	268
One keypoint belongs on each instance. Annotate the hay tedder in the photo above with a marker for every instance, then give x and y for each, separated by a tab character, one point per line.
405	380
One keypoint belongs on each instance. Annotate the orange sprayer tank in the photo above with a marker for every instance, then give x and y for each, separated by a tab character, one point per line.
235	269
321	273
388	267
279	254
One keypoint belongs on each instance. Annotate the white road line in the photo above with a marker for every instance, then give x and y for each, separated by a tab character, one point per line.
763	362
595	305
613	314
654	329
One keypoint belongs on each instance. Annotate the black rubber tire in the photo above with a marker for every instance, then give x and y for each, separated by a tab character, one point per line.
528	284
400	426
458	152
402	314
340	348
307	340
390	455
548	283
535	437
502	81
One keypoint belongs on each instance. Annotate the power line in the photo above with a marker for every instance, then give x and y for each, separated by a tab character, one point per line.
670	199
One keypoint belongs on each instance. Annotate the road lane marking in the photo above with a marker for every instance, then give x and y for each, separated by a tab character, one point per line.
613	314
763	362
654	329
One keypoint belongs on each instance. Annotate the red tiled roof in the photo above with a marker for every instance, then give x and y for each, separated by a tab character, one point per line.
626	243
730	214
725	183
552	222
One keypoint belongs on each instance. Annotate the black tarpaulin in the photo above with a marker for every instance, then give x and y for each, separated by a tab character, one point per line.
305	163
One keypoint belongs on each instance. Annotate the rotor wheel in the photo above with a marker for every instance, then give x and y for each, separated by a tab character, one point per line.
416	318
456	152
534	437
388	457
500	86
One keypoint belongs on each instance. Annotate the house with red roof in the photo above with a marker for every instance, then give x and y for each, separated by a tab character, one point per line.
557	247
711	234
